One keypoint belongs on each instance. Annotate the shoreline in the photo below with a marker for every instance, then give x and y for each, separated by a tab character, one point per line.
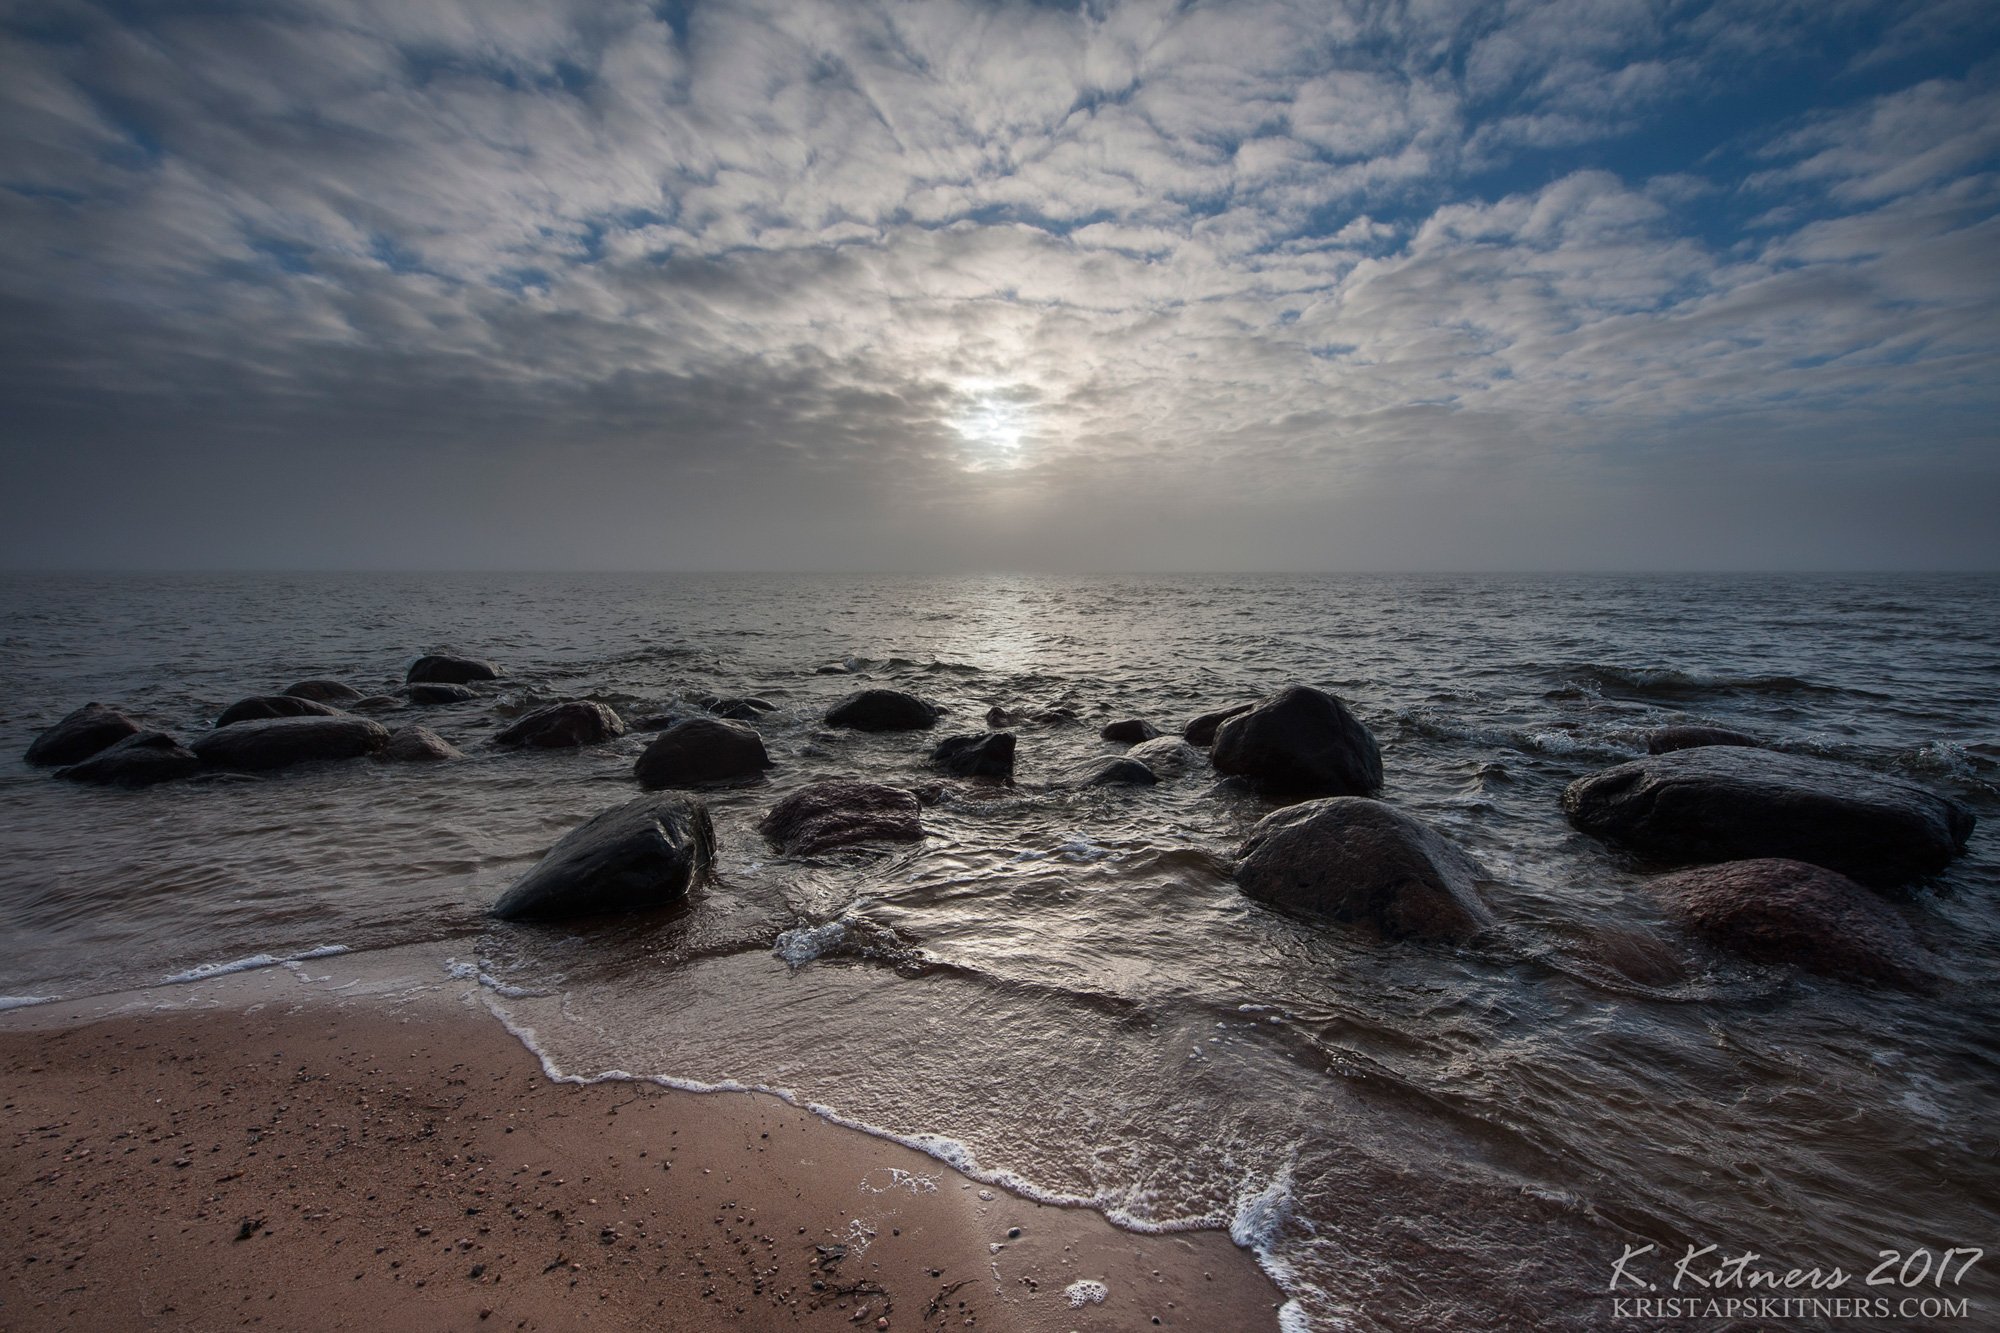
249	1151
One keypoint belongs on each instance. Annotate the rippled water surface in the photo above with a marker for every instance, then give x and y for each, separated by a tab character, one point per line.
1063	989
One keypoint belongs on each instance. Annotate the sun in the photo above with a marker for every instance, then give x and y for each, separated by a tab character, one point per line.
992	420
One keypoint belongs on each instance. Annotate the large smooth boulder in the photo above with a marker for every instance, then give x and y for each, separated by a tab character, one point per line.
1128	730
563	726
882	710
325	691
1730	803
1665	740
1778	911
1299	742
261	707
1356	859
1111	771
450	669
280	742
432	695
1168	756
702	750
82	734
419	745
839	812
1201	731
645	853
140	760
987	755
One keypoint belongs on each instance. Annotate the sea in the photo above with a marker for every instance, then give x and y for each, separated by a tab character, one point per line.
1061	991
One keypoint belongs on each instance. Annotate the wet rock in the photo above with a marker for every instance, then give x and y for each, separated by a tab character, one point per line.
82	734
280	742
987	755
385	703
882	710
263	706
839	813
1056	717
738	710
1356	859
701	750
1201	731
419	745
563	726
1777	911
1731	803
833	669
653	722
1299	742
324	692
998	718
431	695
1665	740
645	853
140	760
449	669
1110	771
1129	730
1168	756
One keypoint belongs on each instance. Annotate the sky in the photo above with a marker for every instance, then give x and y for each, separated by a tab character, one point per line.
1415	285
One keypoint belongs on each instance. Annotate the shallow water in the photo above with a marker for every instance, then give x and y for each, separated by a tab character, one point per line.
1063	990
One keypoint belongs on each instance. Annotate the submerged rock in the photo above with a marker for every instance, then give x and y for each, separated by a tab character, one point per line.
1777	911
450	669
563	726
439	694
839	813
1730	803
987	755
140	760
737	710
82	734
260	707
882	710
998	718
419	745
280	742
1111	771
1356	859
1665	740
1299	742
1130	730
1201	731
645	853
383	703
1168	756
653	722
702	750
324	692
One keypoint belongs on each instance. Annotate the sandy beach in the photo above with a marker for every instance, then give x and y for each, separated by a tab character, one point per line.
266	1160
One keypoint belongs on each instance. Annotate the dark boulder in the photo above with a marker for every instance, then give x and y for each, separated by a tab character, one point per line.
140	760
839	813
1730	803
1168	756
80	735
1359	860
279	742
987	755
324	692
653	722
386	703
645	853
735	709
262	707
563	726
419	745
447	669
1299	742
1201	731
1778	911
700	750
1056	717
430	695
998	718
882	710
1665	740
1110	771
1129	730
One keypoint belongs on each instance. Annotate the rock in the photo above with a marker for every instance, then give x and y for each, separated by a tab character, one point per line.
140	760
439	694
1129	730
833	669
280	742
653	722
1167	756
882	710
738	710
839	813
1201	731
82	734
987	755
447	669
1356	859
324	692
1056	717
1299	742
1666	740
1777	911
645	853
419	745
1730	803
1110	771
998	718
699	750
263	706
387	703
563	726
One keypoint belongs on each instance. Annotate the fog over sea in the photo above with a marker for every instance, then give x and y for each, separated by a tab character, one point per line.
1062	991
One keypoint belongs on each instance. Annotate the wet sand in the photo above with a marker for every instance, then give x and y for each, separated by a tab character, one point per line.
277	1162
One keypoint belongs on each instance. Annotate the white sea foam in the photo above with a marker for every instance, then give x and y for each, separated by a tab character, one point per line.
801	944
22	1001
252	963
1086	1291
473	972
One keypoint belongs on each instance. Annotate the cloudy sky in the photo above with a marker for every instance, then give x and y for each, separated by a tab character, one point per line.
1403	285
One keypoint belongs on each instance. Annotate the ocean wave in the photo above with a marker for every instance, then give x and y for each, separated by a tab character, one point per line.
205	971
1674	683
